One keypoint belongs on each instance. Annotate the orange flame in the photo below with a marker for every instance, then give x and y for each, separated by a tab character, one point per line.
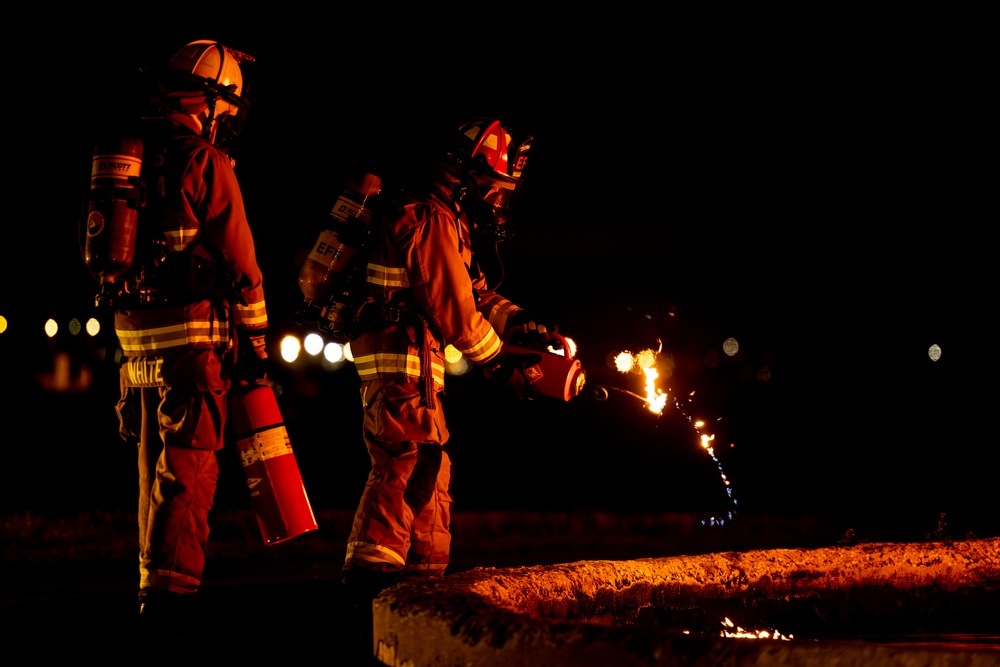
750	634
656	400
645	361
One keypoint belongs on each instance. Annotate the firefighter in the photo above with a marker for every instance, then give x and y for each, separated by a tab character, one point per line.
190	316
429	291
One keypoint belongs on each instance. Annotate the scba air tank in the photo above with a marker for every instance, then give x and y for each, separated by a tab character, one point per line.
330	255
113	209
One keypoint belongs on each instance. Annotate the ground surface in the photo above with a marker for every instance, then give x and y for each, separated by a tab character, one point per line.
68	586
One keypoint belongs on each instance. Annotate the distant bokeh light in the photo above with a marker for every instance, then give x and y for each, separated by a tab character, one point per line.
333	352
348	354
291	347
730	346
934	352
313	344
93	326
51	328
3	323
75	327
455	362
460	367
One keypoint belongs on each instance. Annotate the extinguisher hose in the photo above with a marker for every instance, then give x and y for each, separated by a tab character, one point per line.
601	392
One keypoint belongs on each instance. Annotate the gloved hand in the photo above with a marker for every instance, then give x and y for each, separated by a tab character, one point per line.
527	332
507	369
251	355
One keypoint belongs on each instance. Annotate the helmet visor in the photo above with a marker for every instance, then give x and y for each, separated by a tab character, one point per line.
490	211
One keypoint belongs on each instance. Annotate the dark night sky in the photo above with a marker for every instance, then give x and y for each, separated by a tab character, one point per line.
817	198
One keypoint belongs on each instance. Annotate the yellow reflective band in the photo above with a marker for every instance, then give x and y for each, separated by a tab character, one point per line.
135	342
485	349
373	553
384	276
179	239
254	314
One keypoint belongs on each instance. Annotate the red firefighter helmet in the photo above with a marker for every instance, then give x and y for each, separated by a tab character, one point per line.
488	183
485	141
206	76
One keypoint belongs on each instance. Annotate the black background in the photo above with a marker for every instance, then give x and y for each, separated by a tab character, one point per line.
818	194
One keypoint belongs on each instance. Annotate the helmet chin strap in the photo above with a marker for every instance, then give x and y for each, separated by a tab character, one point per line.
208	125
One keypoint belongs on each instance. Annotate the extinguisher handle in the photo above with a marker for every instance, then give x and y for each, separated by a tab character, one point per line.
562	342
554	339
245	385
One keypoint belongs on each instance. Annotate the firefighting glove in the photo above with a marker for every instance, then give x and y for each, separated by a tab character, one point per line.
507	369
527	332
251	356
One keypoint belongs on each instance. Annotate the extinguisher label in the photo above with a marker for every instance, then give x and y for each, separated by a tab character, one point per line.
269	444
534	373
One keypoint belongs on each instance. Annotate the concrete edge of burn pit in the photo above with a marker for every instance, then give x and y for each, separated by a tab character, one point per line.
672	611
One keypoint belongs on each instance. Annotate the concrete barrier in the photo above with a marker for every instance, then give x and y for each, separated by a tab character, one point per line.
866	606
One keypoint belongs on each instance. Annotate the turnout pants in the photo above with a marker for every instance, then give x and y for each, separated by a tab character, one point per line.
175	408
403	521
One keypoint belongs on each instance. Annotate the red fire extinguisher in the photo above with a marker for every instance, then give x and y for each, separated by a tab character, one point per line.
116	195
277	492
555	374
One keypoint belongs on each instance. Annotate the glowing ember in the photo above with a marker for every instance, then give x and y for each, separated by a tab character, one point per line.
740	633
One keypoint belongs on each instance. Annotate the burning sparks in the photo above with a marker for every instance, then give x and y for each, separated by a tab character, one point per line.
656	399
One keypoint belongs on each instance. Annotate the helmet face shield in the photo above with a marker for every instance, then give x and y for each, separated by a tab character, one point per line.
488	209
228	119
490	188
227	127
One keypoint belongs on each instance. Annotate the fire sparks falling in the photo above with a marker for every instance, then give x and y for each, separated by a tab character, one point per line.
656	400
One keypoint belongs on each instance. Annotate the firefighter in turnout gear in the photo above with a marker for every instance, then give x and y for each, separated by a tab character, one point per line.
190	315
428	291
